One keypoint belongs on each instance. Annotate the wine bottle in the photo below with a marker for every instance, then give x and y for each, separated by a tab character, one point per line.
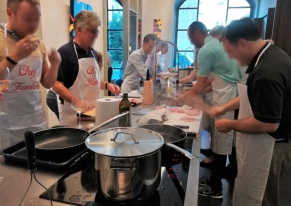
125	106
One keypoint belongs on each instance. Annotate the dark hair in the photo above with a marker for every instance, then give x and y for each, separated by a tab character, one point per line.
216	31
149	37
243	28
198	26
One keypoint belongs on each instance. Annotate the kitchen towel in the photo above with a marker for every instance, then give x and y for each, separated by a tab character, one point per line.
106	108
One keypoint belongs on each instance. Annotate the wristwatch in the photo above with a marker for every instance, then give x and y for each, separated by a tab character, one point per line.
106	86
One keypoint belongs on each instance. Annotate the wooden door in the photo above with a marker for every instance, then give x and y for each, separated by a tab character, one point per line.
282	26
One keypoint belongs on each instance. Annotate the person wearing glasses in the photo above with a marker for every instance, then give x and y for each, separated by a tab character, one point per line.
79	72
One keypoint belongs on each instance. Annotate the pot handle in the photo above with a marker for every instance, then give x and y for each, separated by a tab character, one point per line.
121	166
179	149
107	122
113	139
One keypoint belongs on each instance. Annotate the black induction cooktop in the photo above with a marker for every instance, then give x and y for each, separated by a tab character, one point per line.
77	188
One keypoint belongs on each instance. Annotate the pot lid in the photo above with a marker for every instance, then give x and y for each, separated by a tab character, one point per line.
124	142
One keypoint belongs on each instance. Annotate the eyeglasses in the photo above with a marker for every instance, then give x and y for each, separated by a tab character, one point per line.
94	31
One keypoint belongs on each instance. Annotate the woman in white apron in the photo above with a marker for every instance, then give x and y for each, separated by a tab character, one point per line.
22	103
86	87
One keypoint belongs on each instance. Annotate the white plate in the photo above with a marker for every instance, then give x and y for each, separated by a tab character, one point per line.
174	119
132	94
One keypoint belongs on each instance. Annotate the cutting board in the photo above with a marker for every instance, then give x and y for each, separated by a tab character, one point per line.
173	119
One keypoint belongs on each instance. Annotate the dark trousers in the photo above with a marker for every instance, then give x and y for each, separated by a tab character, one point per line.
280	164
219	171
110	72
52	102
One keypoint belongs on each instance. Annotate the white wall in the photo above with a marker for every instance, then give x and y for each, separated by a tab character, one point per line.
163	9
3	16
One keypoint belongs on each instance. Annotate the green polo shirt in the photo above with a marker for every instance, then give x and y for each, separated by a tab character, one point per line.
213	58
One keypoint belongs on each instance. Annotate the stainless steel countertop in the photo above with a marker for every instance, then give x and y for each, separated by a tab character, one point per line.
16	178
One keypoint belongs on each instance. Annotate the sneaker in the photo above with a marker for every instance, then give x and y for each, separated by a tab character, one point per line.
204	181
207	192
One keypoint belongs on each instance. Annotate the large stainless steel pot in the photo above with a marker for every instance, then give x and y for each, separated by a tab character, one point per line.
127	162
184	72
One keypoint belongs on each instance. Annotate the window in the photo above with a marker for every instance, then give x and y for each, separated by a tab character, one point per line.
211	13
187	13
115	36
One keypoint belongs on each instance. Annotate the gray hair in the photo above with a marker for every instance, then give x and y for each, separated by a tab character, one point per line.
85	18
216	31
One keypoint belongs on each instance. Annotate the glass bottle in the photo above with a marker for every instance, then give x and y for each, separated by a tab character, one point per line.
125	106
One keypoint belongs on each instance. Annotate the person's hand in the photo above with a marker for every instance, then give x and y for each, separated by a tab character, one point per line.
54	58
5	89
1	95
223	125
114	89
24	47
88	108
179	100
217	111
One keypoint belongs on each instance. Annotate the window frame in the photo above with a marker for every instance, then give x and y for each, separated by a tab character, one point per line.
178	8
110	30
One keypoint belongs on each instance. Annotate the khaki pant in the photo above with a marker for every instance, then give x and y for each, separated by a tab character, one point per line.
281	162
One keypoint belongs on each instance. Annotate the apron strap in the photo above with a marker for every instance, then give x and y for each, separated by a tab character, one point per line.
269	44
5	34
77	52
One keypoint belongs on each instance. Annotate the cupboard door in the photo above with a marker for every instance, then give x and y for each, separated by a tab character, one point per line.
282	26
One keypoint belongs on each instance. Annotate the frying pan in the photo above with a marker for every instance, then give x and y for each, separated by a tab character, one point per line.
64	139
173	137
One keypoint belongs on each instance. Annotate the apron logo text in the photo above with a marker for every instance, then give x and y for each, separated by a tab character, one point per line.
91	70
92	82
25	71
20	86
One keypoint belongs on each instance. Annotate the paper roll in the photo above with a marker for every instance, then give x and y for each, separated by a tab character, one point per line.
106	108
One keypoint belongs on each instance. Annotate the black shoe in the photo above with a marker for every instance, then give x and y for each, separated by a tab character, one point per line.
207	192
206	165
204	182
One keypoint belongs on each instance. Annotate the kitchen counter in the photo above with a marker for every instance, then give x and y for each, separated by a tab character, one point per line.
16	176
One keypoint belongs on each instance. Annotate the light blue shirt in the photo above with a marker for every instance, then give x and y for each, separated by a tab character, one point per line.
213	58
135	68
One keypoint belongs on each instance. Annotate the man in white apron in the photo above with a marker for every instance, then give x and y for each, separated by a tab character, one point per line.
25	56
135	66
224	73
264	123
79	73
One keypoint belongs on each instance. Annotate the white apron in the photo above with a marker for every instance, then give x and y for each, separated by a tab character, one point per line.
206	120
223	92
86	86
23	103
254	154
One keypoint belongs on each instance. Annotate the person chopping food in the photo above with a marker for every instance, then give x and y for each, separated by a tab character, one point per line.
263	127
224	73
25	56
136	67
79	72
